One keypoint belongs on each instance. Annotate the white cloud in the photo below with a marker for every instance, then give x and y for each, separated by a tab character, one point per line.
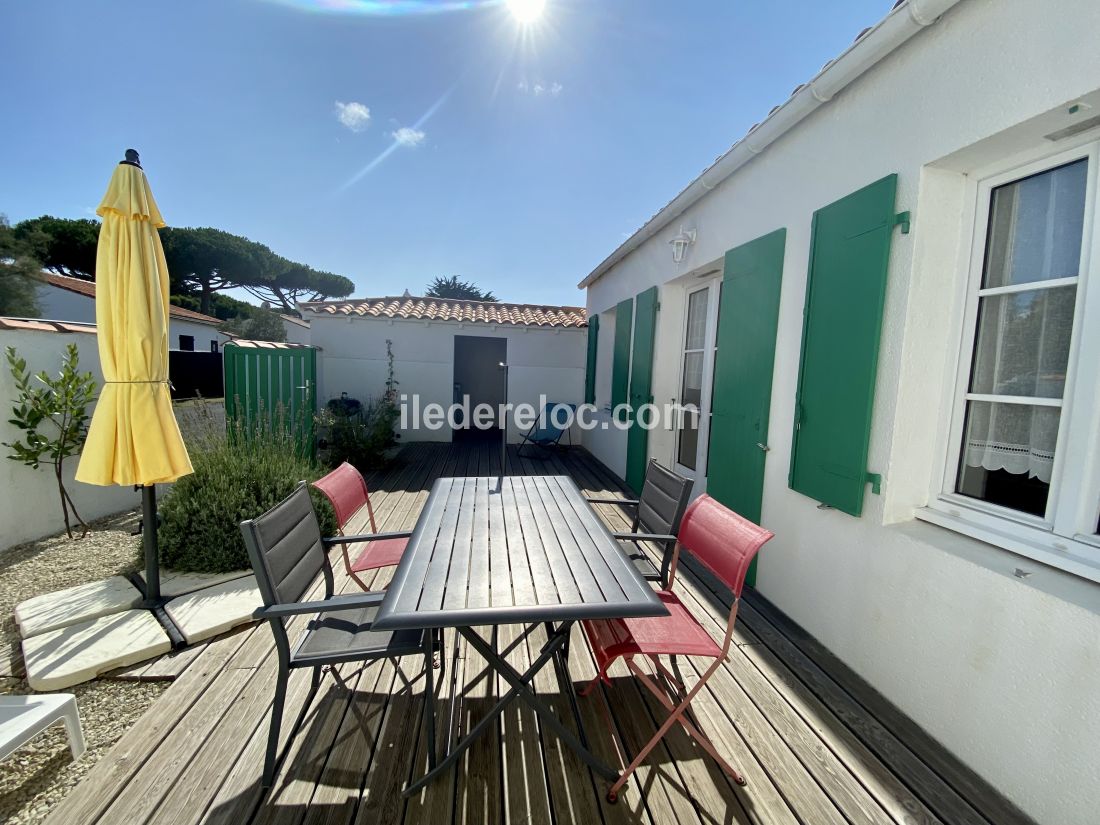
354	116
538	88
408	136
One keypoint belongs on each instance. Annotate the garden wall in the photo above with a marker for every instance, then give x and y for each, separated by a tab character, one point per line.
29	505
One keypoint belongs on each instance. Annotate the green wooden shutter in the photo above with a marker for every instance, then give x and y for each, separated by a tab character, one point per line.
846	289
590	368
641	385
620	368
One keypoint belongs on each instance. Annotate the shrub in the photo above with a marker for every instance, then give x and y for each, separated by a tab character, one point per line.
235	478
358	434
52	413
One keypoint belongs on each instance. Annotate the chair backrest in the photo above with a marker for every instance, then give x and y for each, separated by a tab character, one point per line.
663	500
284	545
547	428
346	490
723	541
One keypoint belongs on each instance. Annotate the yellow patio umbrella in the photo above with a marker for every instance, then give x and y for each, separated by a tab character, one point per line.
133	437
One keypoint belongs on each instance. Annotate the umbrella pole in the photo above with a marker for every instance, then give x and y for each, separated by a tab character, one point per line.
149	543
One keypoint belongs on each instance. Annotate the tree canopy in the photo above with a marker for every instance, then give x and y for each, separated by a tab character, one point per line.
204	261
20	271
261	325
452	287
201	262
65	246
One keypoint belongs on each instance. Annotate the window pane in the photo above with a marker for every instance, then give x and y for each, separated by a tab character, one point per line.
692	390
696	320
1023	343
691	396
688	439
1035	227
1008	454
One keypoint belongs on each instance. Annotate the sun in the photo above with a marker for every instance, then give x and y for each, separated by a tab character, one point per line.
526	12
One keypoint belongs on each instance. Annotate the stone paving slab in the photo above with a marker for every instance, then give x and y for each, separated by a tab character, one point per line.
174	583
213	611
74	605
60	658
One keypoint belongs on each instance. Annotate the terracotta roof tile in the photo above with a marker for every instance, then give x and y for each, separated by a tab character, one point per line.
82	287
45	326
448	309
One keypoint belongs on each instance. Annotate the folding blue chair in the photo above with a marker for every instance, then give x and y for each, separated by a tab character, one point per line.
545	434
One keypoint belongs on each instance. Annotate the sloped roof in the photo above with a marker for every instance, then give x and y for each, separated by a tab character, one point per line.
46	326
87	288
410	307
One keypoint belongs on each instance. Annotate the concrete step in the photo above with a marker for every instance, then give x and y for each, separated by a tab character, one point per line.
75	605
70	655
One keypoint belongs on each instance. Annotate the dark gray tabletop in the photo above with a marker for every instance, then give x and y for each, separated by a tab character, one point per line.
511	550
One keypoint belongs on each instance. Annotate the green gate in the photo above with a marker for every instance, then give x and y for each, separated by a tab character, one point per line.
271	385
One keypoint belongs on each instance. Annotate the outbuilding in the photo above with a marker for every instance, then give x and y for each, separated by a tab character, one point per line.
444	350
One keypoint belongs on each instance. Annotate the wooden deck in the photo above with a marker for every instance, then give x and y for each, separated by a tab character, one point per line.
816	745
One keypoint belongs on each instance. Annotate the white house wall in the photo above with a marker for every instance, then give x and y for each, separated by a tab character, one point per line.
57	304
204	334
997	668
353	360
29	505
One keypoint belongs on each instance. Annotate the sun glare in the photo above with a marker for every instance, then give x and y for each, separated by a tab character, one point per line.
526	12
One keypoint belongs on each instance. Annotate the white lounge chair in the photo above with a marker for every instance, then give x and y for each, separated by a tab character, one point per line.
24	717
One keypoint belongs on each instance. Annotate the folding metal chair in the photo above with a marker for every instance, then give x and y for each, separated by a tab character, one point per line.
347	491
724	543
657	515
545	433
287	553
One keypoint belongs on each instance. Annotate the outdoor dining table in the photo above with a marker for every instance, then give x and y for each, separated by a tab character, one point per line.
512	550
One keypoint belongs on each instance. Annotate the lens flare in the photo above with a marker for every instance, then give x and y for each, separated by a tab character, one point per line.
386	8
526	12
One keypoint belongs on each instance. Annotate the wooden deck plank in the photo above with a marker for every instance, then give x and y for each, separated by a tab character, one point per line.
815	746
116	770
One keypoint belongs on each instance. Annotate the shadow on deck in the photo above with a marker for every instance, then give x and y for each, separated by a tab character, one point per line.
816	744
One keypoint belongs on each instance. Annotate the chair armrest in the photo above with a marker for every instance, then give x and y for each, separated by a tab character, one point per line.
353	601
643	537
625	502
331	540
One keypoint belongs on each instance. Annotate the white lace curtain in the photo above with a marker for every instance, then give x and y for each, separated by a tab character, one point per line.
1012	437
1023	342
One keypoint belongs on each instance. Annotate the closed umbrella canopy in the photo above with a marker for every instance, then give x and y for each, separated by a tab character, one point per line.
133	438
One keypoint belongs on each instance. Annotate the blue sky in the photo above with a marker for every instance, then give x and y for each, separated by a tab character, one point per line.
516	157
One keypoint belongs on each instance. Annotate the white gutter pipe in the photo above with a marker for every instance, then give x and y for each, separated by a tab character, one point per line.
903	22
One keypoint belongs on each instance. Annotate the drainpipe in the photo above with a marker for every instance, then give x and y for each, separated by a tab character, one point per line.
902	23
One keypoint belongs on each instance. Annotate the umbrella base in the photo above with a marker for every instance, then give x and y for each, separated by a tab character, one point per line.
156	607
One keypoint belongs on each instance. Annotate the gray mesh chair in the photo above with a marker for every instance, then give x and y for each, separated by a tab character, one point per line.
287	553
657	515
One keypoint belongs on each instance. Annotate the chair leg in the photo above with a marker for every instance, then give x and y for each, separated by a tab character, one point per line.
273	733
591	685
678	713
71	717
429	703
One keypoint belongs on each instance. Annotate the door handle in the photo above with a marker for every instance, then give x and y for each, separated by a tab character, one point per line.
763	447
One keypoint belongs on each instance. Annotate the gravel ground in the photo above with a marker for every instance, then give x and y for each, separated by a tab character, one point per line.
37	776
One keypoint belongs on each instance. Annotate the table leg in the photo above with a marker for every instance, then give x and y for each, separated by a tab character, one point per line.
521	689
519	684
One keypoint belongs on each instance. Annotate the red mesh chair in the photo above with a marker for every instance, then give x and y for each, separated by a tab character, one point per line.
724	543
346	490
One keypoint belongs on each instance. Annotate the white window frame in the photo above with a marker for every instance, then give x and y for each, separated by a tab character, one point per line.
710	342
1065	536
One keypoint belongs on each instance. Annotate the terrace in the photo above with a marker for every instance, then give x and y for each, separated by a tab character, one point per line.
814	742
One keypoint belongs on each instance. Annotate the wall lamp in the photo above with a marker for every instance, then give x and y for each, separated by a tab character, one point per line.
681	243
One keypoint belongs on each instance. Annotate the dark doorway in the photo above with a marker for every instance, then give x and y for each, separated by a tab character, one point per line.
477	374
